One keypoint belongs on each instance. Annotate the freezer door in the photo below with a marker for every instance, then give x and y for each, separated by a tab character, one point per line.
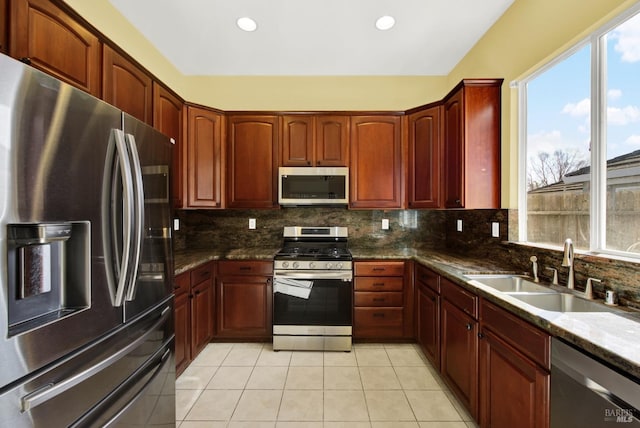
127	379
53	146
153	280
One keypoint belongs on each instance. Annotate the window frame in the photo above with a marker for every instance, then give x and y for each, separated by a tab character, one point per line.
598	123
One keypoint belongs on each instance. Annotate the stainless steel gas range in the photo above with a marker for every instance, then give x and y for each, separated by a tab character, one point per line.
312	291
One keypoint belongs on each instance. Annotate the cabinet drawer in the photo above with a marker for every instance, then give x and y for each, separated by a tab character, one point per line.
202	273
463	299
379	268
384	298
181	284
240	267
378	283
534	343
428	277
378	317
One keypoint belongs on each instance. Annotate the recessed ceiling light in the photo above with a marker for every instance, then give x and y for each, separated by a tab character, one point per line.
247	24
385	23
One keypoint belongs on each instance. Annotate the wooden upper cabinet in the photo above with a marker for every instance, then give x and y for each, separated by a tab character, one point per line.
472	144
425	158
4	26
376	162
297	141
167	118
332	141
44	36
126	86
204	158
252	161
315	140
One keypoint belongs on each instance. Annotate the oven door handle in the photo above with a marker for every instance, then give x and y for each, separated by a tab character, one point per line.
315	275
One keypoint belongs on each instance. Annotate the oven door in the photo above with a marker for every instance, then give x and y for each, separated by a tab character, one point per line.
329	301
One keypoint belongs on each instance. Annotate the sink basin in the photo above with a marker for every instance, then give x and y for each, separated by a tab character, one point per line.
511	284
561	302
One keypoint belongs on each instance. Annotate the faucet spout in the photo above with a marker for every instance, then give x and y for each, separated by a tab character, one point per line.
567	261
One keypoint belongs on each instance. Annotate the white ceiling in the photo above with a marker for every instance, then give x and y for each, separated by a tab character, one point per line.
313	38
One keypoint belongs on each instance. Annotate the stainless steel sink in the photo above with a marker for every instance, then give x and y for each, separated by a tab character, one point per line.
562	302
512	284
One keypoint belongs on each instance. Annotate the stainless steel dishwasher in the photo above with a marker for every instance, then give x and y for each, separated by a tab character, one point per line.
587	393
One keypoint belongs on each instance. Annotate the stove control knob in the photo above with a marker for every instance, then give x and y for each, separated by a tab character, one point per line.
329	265
312	265
296	265
285	264
339	266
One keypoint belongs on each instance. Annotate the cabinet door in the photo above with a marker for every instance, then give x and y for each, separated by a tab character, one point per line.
297	141
459	354
429	323
182	316
167	118
44	36
425	159
332	141
126	86
376	162
202	316
204	158
252	161
453	151
4	25
244	307
514	391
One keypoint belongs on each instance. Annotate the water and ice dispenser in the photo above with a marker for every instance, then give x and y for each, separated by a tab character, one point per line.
48	272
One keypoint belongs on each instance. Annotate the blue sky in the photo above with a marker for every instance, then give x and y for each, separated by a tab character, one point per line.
558	100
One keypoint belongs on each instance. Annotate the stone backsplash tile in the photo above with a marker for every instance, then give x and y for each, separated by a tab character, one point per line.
205	229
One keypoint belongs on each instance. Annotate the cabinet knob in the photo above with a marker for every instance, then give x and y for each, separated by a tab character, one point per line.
26	60
480	335
309	163
469	326
318	162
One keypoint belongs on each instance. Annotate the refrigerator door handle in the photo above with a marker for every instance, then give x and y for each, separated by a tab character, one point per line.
138	214
52	390
117	166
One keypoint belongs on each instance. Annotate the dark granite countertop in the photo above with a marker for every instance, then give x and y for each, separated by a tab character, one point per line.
612	336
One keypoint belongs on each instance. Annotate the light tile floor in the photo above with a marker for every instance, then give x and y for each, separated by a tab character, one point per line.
374	386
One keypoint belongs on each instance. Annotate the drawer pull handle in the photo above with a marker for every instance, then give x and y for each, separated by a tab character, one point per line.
378	315
378	284
205	273
379	299
245	268
379	269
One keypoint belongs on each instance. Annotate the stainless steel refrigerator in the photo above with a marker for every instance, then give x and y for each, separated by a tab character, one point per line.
86	267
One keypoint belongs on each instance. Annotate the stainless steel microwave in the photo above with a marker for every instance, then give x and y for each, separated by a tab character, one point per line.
313	186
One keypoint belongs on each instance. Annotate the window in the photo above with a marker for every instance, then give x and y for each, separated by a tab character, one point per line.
580	125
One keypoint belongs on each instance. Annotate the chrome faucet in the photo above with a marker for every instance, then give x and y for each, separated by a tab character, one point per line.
567	261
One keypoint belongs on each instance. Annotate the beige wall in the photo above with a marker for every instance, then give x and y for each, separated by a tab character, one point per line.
528	34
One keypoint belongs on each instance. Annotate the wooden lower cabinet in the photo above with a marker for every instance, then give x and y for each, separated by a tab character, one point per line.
244	294
514	371
459	354
182	320
428	313
383	300
194	313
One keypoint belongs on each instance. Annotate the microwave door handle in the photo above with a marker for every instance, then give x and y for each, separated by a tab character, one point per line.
138	229
117	263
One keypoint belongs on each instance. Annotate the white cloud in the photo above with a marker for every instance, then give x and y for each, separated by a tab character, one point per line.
614	94
580	109
633	140
627	36
550	141
623	116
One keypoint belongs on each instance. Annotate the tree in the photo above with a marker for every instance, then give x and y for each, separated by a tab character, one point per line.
545	169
